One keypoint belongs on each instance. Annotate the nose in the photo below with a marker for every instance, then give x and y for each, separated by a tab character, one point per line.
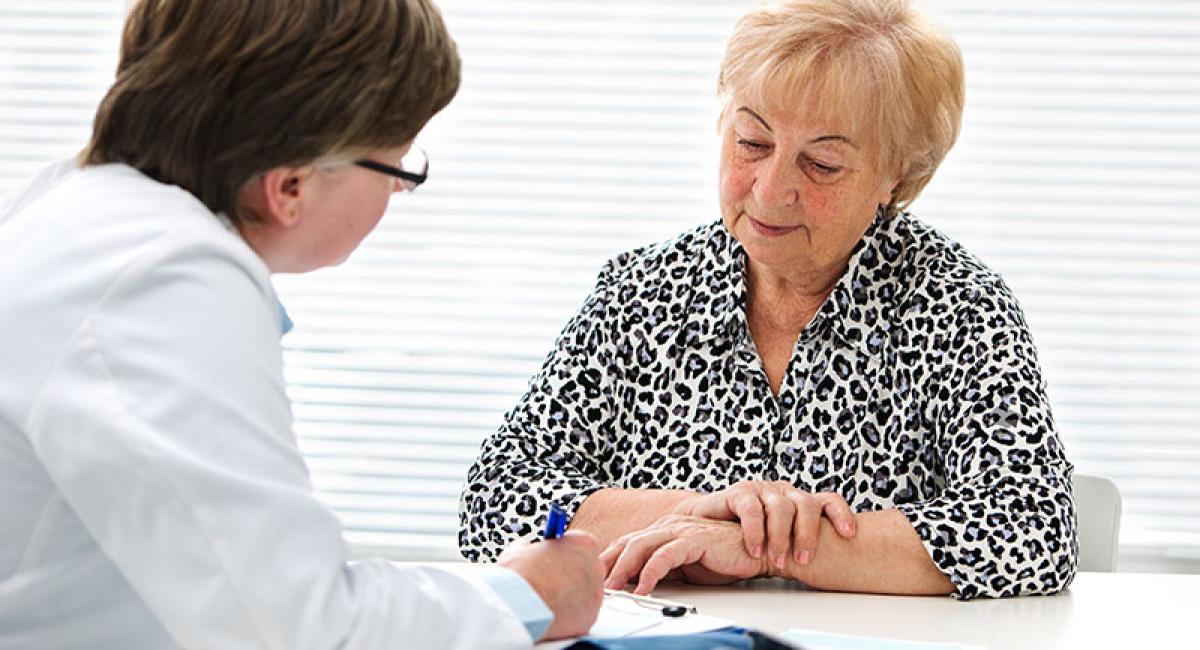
777	183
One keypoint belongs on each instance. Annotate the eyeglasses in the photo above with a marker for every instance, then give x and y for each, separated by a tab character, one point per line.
414	159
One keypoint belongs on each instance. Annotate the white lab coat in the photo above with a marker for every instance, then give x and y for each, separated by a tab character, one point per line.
151	491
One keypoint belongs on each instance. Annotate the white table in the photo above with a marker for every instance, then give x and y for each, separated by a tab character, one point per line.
1100	610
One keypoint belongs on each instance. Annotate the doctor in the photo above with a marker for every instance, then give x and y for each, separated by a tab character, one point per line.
151	489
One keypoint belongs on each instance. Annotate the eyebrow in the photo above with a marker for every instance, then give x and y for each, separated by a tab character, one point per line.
816	140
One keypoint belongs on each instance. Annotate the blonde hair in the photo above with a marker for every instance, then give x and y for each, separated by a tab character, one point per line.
211	93
880	64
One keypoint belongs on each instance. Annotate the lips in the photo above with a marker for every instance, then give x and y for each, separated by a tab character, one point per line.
770	231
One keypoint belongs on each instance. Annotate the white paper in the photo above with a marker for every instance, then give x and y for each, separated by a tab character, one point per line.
620	617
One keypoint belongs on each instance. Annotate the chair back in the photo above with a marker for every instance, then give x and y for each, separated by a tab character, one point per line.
1098	510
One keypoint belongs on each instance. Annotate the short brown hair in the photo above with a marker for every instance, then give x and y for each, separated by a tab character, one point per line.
879	63
211	93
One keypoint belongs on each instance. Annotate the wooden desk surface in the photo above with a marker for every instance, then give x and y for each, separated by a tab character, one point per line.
1100	610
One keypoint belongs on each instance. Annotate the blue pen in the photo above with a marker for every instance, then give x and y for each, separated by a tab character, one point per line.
556	522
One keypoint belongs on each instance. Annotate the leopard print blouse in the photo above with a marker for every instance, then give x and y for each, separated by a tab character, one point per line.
916	386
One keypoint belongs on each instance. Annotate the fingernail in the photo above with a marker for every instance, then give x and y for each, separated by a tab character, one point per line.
778	561
805	557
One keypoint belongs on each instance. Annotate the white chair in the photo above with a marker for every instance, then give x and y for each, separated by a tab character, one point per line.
1098	510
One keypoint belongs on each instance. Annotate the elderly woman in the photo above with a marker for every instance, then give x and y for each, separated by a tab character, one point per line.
152	491
819	385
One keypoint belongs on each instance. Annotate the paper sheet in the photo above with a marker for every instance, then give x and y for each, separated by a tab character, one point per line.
620	617
624	618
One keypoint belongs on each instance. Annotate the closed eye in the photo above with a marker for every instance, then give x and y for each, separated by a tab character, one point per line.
751	145
822	168
821	172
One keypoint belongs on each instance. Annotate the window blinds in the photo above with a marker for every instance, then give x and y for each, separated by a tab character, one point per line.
56	60
583	129
1078	178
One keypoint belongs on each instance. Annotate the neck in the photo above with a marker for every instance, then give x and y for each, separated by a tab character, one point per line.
788	301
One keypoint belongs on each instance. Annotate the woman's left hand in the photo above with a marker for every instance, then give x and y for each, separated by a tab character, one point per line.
705	551
775	516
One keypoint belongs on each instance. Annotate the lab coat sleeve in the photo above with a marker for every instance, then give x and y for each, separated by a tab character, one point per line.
165	425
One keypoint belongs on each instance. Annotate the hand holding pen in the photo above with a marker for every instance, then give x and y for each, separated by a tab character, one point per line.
565	571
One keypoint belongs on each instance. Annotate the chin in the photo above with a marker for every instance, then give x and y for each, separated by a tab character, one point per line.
773	251
770	256
309	267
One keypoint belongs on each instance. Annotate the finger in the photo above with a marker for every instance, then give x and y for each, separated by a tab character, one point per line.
839	513
780	512
671	555
637	550
711	506
609	557
806	527
749	511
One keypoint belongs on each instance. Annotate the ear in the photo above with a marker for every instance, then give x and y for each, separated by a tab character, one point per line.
887	189
885	196
276	197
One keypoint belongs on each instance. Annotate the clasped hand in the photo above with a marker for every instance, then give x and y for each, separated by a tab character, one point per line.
744	531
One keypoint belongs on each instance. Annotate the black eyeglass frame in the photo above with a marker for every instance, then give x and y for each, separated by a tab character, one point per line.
414	179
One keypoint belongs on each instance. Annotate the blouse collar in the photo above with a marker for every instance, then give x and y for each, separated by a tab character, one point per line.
858	309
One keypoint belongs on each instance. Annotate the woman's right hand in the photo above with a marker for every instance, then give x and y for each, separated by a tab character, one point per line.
775	516
698	549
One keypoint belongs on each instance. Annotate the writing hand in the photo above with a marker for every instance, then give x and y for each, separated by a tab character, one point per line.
568	576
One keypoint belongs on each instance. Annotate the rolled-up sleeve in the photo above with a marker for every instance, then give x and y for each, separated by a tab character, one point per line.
555	445
1004	524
